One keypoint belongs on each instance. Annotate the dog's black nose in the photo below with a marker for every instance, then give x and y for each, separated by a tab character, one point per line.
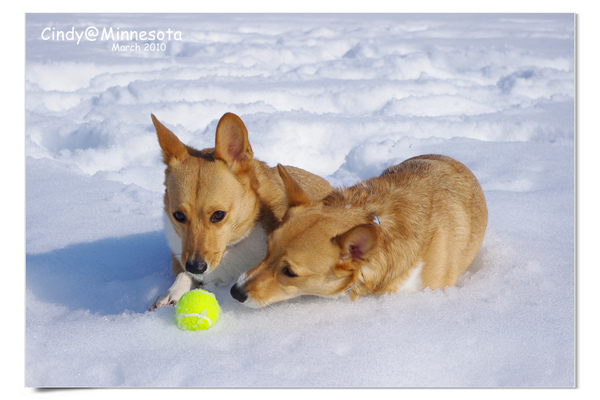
238	293
195	266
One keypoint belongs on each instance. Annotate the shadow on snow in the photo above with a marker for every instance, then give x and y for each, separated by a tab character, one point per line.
108	276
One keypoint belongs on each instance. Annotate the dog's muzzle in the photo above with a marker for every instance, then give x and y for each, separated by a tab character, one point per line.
195	266
238	293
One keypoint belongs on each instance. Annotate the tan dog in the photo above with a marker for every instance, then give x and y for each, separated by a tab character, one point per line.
220	204
420	224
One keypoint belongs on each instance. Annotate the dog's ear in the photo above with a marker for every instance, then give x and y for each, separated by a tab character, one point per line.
357	244
171	146
231	143
295	194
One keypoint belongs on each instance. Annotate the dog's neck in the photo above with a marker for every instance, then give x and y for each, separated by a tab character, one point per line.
347	291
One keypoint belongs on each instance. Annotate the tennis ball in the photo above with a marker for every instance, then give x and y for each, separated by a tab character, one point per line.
196	310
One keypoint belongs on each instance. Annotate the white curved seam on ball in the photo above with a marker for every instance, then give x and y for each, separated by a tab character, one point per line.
204	317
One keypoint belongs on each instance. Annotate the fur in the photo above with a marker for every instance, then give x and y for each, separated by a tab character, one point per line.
419	224
220	204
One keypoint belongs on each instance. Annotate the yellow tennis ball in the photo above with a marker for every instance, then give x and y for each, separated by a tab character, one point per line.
196	310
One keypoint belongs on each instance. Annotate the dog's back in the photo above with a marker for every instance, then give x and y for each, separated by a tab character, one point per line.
439	211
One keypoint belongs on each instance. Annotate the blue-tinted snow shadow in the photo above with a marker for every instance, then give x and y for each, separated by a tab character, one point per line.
108	276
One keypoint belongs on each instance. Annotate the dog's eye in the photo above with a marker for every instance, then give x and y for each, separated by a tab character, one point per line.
179	216
288	272
217	216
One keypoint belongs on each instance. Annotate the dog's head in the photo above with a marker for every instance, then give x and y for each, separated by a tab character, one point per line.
317	250
208	197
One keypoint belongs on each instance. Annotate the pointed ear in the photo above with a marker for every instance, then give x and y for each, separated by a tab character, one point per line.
358	244
231	143
171	146
295	194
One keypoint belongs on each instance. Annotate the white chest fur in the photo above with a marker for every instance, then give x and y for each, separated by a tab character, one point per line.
413	282
238	258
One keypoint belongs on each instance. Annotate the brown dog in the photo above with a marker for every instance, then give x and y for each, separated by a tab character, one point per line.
220	204
420	224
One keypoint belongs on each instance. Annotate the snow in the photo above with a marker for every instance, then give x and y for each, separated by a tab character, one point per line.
343	96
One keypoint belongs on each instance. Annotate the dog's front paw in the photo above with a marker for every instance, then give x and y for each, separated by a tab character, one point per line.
165	299
183	283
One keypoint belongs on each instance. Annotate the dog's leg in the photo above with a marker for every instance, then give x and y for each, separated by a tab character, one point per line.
183	283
